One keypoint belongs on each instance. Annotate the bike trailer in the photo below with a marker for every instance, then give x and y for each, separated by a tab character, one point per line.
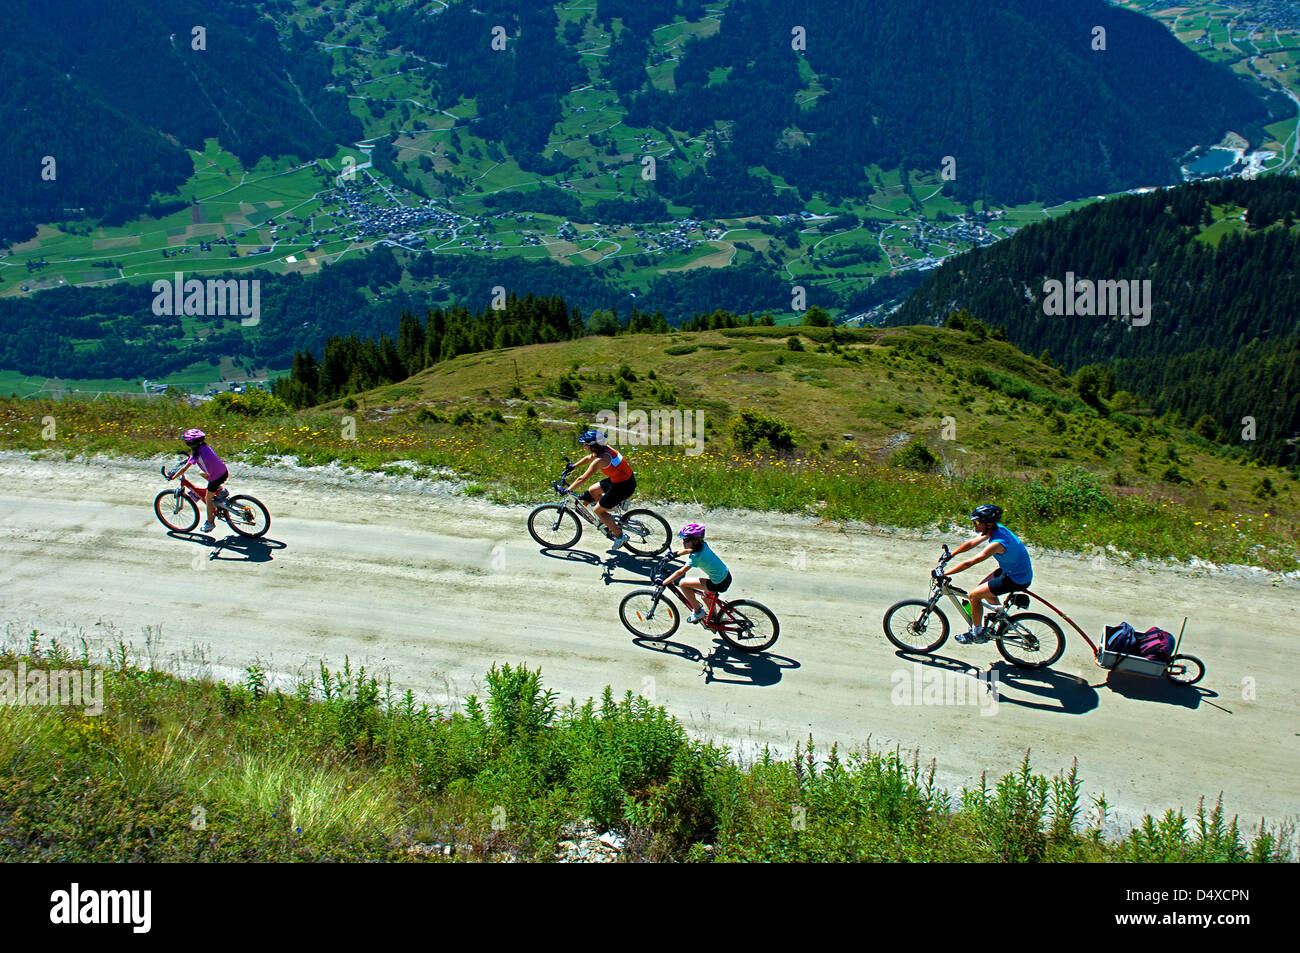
1122	649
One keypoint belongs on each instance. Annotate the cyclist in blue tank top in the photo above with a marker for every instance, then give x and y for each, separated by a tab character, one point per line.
1014	573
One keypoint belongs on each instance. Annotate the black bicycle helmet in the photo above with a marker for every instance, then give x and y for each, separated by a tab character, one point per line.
986	513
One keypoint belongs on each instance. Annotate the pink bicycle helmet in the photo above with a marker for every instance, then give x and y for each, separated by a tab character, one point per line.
193	437
692	531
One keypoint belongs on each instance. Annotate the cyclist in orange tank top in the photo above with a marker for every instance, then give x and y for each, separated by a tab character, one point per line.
618	484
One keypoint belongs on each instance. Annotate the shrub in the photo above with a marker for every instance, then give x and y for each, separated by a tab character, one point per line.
751	428
463	417
1122	400
1263	489
567	386
252	403
816	317
426	416
349	403
915	456
1207	427
1070	492
679	349
793	343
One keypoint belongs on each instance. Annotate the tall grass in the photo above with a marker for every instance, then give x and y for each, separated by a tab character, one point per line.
343	769
1066	509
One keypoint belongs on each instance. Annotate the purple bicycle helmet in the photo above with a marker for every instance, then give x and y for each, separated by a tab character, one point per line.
692	531
193	437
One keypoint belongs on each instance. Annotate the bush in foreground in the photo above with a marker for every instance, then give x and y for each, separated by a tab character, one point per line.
341	769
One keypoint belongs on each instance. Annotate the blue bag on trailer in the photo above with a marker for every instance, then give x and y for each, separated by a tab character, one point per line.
1123	638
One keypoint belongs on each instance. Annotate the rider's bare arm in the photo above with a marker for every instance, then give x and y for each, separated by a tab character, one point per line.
591	469
680	572
991	549
969	544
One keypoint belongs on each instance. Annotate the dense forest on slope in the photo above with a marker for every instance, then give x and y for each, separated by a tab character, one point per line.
516	83
1224	334
113	91
111	332
910	81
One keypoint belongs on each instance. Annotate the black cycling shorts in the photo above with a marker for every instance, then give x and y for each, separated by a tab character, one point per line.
1000	584
718	586
612	494
214	486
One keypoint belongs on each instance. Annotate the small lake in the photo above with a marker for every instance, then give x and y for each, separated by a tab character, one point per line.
1214	161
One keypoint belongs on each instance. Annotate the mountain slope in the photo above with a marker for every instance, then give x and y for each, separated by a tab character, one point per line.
114	91
1223	337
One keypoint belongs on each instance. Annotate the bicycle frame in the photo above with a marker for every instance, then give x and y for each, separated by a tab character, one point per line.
718	617
199	494
995	613
573	503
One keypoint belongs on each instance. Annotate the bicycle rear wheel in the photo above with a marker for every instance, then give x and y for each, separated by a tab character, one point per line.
247	516
909	626
648	532
648	614
747	626
554	526
177	513
1031	641
1185	670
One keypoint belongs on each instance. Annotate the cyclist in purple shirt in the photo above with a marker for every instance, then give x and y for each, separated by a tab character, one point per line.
1014	573
210	466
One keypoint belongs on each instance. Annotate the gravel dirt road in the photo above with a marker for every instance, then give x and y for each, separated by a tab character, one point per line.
431	588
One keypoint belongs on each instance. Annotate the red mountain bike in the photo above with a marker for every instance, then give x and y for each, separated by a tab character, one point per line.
744	624
178	509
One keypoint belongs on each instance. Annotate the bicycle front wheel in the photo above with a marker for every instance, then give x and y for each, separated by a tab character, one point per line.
648	614
177	513
1031	641
748	626
911	624
247	516
647	531
554	526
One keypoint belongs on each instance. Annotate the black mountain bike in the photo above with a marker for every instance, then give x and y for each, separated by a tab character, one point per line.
559	525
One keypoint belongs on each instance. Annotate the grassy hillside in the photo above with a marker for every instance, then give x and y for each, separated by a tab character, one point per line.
870	420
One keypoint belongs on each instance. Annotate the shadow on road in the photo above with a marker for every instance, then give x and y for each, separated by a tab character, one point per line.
244	550
739	668
1055	691
641	568
1160	690
571	555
